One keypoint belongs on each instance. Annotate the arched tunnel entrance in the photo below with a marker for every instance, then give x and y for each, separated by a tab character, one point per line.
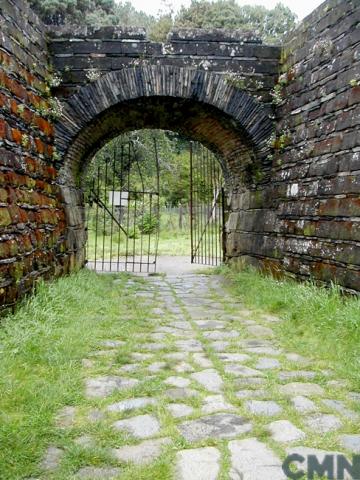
154	202
196	104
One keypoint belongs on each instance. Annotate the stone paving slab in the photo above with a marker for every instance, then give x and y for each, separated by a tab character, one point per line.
138	356
320	455
303	404
253	460
189	345
209	379
181	393
143	453
183	367
112	343
241	370
66	417
210	324
296	358
304	389
153	346
219	345
267	408
156	367
179	382
130	404
351	442
245	394
101	387
285	432
198	464
222	425
216	403
264	351
179	410
339	406
296	374
142	426
323	423
85	441
176	356
194	353
267	364
202	360
129	368
233	357
249	382
260	332
220	335
52	458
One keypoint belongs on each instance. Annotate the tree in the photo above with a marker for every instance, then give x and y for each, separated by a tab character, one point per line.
59	12
172	154
270	24
90	12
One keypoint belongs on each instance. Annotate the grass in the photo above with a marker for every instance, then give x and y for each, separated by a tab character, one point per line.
42	346
318	322
44	342
170	243
173	240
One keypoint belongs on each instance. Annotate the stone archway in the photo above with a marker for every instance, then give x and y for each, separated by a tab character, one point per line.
195	103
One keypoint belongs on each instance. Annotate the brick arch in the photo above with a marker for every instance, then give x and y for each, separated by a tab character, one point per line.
198	104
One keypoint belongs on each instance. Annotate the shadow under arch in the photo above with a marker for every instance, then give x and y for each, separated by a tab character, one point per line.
197	104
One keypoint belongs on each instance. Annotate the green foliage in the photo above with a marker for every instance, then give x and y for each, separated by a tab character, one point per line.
354	82
277	94
61	11
174	164
282	140
318	322
160	28
42	346
149	224
90	12
271	24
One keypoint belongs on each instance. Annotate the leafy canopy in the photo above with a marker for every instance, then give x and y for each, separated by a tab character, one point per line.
90	12
270	24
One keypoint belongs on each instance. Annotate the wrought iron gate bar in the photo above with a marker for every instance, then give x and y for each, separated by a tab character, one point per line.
207	214
123	211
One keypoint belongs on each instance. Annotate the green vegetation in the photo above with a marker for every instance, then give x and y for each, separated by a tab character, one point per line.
317	322
173	157
173	240
42	346
129	164
44	343
271	24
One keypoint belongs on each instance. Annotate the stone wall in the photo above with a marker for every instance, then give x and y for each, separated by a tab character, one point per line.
79	54
32	219
310	212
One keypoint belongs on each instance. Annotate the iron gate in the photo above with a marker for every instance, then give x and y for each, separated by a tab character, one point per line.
207	207
122	203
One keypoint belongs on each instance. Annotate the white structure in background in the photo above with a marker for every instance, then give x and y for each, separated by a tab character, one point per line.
119	201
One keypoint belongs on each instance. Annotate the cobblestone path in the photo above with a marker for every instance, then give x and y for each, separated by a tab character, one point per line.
224	402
